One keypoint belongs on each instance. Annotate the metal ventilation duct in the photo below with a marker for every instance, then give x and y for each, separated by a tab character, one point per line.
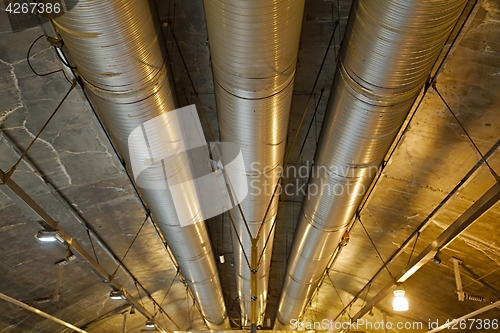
388	51
253	47
119	52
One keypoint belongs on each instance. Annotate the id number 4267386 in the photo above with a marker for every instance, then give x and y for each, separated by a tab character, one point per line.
472	324
33	8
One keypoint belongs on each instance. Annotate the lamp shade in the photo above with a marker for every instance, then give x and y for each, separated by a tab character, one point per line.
400	303
47	236
116	294
150	323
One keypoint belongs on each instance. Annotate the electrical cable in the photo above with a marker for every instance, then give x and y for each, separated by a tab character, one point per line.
413	248
477	280
239	240
340	38
208	124
188	309
145	208
130	246
239	311
29	63
66	77
495	175
366	295
338	15
213	138
304	113
168	289
310	125
375	247
139	294
336	291
230	216
192	84
163	319
14	167
289	153
92	245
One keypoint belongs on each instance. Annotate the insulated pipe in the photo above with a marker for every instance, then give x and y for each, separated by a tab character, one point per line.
388	51
253	48
119	52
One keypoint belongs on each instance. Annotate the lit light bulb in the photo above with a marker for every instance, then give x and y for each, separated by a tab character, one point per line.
47	236
116	294
400	303
48	239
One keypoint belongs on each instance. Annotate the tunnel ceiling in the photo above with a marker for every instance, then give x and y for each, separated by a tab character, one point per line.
431	176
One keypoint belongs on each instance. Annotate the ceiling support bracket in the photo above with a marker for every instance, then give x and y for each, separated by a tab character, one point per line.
458	280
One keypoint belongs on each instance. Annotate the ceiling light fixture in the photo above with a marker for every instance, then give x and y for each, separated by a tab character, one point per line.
437	258
150	323
47	235
371	312
62	262
70	256
116	294
400	303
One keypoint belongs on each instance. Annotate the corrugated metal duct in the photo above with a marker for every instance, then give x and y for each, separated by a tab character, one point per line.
119	51
387	54
253	47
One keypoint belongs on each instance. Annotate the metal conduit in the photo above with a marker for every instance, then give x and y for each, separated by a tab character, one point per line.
119	52
253	47
388	51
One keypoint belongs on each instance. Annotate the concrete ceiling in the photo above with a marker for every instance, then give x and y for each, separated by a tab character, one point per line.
433	175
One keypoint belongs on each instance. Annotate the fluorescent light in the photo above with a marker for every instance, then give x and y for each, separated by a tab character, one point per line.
150	323
116	294
47	236
400	303
222	259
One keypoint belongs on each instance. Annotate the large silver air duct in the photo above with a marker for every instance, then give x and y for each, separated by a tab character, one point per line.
253	47
388	51
119	53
